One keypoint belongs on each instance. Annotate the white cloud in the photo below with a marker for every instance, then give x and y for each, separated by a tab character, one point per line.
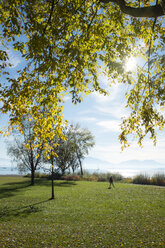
100	98
14	60
66	98
109	125
89	119
113	92
103	79
114	104
115	110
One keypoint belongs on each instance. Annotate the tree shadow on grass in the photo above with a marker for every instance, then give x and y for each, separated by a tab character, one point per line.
13	188
57	183
64	183
10	189
22	211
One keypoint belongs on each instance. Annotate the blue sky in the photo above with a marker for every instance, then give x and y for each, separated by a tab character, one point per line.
102	116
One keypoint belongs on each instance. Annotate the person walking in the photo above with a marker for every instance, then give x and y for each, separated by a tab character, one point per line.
111	182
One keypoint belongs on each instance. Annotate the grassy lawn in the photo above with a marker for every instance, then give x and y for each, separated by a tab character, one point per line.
83	214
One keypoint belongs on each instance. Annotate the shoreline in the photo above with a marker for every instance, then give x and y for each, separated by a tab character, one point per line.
11	175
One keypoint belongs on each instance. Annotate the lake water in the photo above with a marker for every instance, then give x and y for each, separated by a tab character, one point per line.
13	171
8	171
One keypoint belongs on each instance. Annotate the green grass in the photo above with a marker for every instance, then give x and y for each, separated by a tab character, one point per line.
83	214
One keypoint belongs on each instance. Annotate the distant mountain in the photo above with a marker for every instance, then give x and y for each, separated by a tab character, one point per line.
96	161
134	162
130	167
128	163
138	164
96	164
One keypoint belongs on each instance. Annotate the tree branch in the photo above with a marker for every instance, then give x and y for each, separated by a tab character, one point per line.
50	16
150	11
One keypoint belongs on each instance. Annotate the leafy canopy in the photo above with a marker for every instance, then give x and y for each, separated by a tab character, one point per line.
66	44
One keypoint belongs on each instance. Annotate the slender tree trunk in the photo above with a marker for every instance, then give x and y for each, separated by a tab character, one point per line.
32	167
79	159
32	175
73	169
63	170
81	169
52	183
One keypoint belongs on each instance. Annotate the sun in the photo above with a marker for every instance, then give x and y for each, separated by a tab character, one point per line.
130	64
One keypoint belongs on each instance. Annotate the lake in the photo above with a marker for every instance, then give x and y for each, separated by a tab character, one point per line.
8	171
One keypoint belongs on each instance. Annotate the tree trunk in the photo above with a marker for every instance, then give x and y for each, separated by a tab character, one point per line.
73	169
63	170
32	167
81	169
32	175
52	183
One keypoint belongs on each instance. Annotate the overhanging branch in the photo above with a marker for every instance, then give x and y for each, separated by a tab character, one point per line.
150	11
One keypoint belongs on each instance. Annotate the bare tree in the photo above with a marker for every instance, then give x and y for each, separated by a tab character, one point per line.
25	151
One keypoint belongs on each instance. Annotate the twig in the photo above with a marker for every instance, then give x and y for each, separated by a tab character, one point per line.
50	16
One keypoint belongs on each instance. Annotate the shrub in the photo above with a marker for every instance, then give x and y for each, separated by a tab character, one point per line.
100	177
127	180
27	175
37	175
104	177
157	179
56	176
71	178
141	179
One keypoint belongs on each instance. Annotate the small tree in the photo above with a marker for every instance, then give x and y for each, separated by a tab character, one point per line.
25	151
